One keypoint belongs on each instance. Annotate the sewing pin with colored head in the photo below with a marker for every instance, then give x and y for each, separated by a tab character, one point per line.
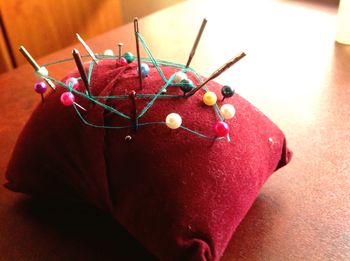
41	69
68	99
227	92
40	87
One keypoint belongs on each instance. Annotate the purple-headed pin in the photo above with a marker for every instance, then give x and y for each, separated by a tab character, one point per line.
40	87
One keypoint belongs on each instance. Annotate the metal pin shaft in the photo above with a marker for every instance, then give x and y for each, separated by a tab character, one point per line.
78	105
136	29
218	72
87	48
132	97
35	65
80	66
194	48
120	45
29	58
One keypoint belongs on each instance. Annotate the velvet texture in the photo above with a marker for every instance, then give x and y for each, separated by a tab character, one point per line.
181	195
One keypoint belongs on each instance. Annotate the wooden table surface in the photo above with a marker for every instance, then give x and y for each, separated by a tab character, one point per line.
294	72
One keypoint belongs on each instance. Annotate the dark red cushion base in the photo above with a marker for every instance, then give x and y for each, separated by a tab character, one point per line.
181	195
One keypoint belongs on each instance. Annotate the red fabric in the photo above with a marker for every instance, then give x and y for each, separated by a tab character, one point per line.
180	195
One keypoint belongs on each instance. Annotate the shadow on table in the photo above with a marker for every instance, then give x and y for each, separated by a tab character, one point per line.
248	241
72	231
79	232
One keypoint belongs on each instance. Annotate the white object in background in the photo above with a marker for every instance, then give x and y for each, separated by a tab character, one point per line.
108	52
343	22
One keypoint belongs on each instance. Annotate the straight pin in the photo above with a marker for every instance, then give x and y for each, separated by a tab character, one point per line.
80	66
29	58
40	87
68	99
136	29
35	65
78	105
87	48
120	46
132	97
218	72
194	48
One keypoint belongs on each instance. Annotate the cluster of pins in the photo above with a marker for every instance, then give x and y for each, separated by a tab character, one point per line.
227	111
67	98
173	120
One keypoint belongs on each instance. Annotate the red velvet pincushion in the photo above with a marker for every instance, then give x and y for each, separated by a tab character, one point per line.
180	194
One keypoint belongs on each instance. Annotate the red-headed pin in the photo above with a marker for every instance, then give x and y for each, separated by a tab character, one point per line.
221	129
68	99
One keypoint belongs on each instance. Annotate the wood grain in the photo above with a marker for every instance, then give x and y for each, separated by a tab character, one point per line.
5	59
133	8
45	26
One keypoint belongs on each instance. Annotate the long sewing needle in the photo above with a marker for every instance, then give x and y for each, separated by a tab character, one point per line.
218	72
80	66
87	48
35	65
194	48
136	29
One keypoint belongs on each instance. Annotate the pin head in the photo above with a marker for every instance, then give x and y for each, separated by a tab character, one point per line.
144	69
128	139
40	87
129	57
209	98
132	94
179	77
221	129
227	91
123	61
173	121
67	98
186	85
162	92
108	52
72	83
227	111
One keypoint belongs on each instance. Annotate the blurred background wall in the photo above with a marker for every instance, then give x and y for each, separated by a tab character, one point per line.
44	26
132	8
